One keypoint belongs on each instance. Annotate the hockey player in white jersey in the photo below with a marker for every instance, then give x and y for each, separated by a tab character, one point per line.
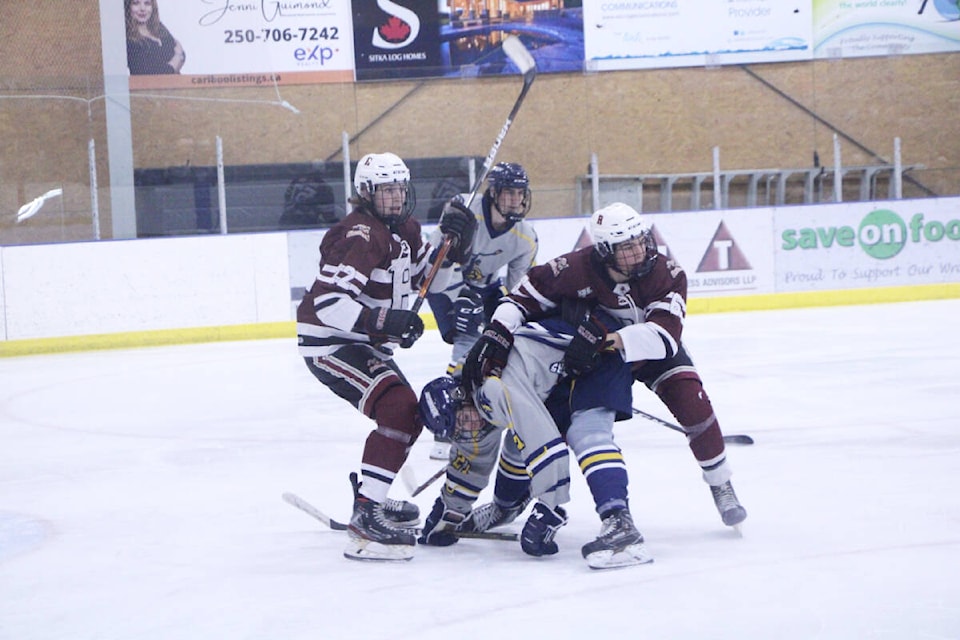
503	249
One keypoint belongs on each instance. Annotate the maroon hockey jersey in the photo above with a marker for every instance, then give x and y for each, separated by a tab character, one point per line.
362	264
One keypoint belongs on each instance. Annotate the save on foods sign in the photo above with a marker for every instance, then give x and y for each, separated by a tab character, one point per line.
855	245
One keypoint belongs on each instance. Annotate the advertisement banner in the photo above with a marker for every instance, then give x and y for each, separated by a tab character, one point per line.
454	38
881	244
211	43
681	33
855	28
394	40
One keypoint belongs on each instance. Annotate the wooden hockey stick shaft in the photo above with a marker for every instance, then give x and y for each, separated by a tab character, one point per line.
519	55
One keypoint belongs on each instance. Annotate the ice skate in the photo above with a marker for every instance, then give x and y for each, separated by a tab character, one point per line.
619	544
440	525
372	536
399	512
491	515
536	539
731	511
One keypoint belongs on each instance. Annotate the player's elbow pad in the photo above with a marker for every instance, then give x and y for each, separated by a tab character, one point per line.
646	341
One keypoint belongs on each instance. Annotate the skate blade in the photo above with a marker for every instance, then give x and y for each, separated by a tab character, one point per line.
372	551
609	559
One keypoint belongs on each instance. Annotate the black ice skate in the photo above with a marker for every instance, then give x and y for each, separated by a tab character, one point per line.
440	525
619	544
491	515
731	511
399	512
374	537
536	539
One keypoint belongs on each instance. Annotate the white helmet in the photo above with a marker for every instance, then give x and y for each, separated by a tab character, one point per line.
619	222
375	169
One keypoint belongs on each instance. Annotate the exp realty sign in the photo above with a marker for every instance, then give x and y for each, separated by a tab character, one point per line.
856	245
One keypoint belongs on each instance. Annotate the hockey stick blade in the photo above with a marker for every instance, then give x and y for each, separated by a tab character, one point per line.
310	510
519	55
731	439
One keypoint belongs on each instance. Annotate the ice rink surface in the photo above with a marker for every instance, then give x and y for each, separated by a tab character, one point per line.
140	498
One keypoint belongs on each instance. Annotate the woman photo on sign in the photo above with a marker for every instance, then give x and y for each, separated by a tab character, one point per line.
151	49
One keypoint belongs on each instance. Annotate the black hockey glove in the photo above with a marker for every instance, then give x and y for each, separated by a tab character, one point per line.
488	356
583	353
459	224
468	312
391	325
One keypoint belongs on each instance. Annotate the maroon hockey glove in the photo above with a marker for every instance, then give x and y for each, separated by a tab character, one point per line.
488	356
583	353
391	325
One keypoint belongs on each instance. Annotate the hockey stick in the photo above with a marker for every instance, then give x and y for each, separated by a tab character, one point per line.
312	511
731	439
519	55
411	482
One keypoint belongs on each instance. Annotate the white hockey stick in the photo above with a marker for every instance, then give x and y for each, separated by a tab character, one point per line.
311	510
518	54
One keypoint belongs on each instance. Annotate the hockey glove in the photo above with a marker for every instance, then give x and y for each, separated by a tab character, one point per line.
440	526
468	312
487	357
583	352
459	224
536	539
391	325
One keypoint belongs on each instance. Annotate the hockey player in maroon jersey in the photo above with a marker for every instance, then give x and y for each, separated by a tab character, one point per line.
645	291
350	320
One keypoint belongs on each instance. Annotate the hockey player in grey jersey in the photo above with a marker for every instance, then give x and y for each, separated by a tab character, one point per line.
504	247
533	448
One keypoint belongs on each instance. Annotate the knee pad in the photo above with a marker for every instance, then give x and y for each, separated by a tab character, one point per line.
395	413
686	399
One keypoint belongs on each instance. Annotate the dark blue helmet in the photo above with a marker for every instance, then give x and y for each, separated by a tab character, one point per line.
510	175
439	402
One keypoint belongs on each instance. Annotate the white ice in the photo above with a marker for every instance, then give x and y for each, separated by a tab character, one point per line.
140	498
